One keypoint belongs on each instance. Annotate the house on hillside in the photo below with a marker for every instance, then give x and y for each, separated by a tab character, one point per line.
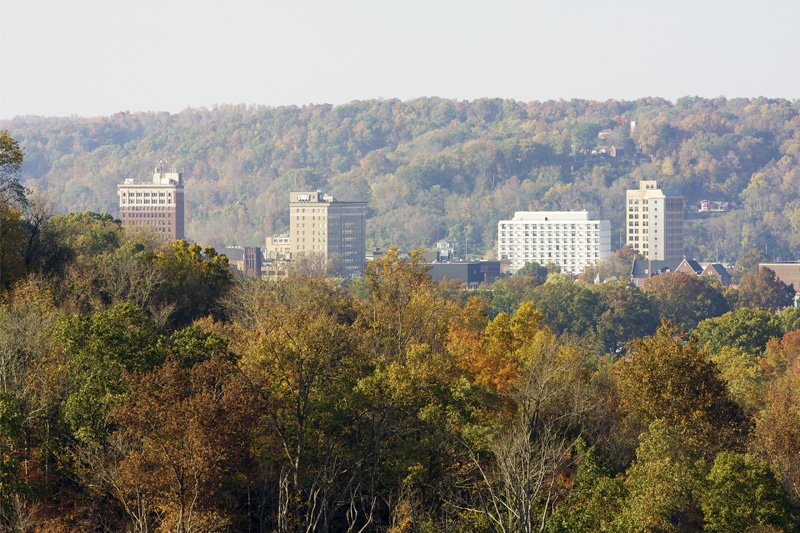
605	134
712	206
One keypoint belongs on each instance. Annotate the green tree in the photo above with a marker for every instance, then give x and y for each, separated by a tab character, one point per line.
789	318
663	484
686	299
12	245
12	198
11	157
596	498
629	313
196	280
194	344
666	379
534	270
742	493
98	350
81	237
745	328
748	263
584	136
617	265
506	294
762	289
777	433
743	375
568	307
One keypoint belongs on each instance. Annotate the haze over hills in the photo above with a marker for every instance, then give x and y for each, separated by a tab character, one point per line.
432	168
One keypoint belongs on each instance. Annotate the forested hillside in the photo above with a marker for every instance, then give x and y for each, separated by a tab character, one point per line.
433	167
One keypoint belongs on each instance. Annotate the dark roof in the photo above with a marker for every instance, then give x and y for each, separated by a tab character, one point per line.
721	271
644	268
694	266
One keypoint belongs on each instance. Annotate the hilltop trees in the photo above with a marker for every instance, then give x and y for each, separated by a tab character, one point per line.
426	163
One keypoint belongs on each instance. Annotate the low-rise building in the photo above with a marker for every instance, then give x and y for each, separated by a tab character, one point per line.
572	240
469	273
788	273
246	260
278	247
645	269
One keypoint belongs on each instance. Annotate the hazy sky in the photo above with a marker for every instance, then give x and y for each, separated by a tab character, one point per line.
99	57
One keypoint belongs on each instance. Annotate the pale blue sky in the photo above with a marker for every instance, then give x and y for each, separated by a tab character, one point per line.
103	56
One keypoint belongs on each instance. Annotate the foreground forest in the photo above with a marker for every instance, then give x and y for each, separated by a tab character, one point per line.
433	168
144	388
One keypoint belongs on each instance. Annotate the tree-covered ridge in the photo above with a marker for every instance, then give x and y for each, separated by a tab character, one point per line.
433	168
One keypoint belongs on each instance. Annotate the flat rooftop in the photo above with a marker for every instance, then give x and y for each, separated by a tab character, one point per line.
553	215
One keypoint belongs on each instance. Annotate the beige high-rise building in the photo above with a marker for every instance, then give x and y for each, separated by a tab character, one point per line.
157	204
654	221
322	226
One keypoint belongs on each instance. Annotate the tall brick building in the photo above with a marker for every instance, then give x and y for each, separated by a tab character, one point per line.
157	204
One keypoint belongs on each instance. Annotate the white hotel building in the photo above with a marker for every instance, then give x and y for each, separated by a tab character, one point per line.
569	239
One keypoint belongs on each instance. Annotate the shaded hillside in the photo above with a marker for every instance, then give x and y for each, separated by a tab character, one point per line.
433	167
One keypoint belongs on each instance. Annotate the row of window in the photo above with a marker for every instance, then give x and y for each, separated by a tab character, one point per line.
149	208
146	201
519	225
537	257
146	215
542	259
561	233
542	240
542	246
145	194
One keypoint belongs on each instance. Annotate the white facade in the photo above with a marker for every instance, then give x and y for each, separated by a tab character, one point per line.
572	240
654	221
